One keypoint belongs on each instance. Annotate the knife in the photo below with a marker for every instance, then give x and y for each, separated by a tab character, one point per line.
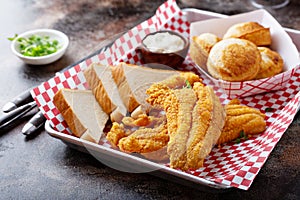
24	98
34	124
16	113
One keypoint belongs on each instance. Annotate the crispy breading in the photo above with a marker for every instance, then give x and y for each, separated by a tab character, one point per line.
116	132
195	118
208	121
241	118
142	120
141	135
191	77
160	94
201	120
185	99
178	118
145	140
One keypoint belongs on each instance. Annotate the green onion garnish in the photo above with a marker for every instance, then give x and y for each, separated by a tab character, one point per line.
36	45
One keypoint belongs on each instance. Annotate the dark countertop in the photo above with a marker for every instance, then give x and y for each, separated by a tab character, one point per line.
45	168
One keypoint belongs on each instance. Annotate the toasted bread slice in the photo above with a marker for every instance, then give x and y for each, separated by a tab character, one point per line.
84	116
100	80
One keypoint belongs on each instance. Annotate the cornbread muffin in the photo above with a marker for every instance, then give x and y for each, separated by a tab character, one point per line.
201	46
252	31
234	59
271	63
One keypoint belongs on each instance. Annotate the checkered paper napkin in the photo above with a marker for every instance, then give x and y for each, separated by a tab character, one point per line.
234	165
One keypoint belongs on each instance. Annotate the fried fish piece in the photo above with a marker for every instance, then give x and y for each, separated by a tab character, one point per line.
185	99
241	118
178	105
141	135
195	118
208	121
145	140
116	132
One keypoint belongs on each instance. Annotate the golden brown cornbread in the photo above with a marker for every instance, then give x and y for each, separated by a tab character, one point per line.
271	63
234	59
201	46
251	31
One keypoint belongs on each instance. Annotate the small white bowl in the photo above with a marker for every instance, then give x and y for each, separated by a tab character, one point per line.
42	60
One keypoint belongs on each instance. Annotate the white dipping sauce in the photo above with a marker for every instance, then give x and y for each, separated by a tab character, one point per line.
163	42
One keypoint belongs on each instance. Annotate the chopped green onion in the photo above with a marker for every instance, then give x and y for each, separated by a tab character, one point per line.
12	38
238	140
36	45
188	85
268	109
242	136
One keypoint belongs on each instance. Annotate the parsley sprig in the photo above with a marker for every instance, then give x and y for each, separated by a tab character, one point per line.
242	136
188	84
269	109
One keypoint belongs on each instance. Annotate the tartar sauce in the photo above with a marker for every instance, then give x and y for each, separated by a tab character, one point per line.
163	42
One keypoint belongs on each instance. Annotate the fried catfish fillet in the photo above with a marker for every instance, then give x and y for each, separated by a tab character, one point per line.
116	133
195	118
145	140
241	118
141	135
208	121
184	100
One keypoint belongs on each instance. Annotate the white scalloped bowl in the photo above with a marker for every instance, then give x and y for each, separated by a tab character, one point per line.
42	60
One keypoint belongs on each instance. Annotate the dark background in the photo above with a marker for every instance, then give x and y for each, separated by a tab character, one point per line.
45	168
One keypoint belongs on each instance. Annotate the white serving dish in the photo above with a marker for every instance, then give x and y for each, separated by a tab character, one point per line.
42	60
281	43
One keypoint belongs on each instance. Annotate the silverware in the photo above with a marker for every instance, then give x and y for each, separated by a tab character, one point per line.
24	98
10	117
34	124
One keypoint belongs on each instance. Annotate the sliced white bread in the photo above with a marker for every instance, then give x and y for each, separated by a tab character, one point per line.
100	80
133	81
84	116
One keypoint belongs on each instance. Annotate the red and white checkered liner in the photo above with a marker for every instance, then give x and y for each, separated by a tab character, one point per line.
233	164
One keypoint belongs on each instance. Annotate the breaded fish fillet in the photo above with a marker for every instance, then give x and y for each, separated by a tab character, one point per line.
185	99
195	118
178	105
116	133
208	121
241	118
142	135
145	140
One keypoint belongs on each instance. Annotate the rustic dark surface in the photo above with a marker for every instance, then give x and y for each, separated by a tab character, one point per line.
45	168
